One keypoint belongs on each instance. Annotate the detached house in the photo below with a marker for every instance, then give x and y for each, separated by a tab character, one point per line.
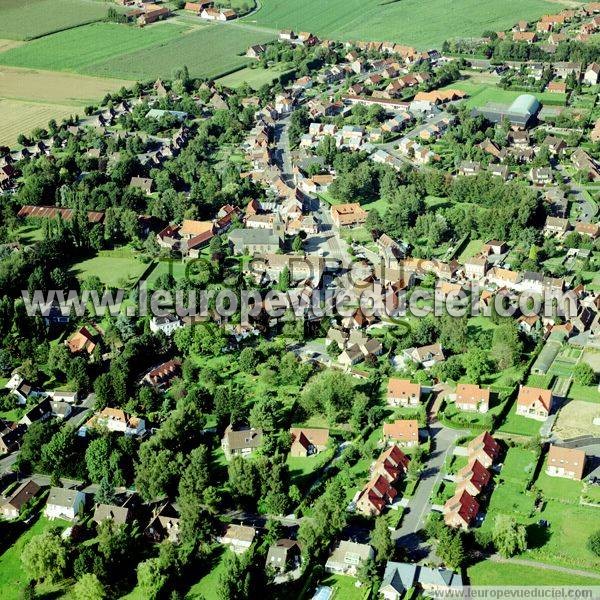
284	555
307	441
115	420
28	490
403	432
241	441
472	398
238	537
64	504
565	462
347	558
534	403
401	392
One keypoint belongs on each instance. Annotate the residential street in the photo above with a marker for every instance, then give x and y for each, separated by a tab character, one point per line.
419	505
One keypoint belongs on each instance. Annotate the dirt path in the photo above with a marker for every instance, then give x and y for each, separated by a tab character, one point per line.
540	565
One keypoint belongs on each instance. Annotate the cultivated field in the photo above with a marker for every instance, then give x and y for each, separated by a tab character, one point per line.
120	51
76	49
53	87
21	117
416	22
207	52
27	19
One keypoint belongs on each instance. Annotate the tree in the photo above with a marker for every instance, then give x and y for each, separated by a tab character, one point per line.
367	572
44	557
509	537
151	578
583	374
450	547
506	345
88	587
283	285
477	364
593	543
381	540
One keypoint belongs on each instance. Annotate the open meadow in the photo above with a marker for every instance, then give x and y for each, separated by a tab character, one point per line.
28	19
422	24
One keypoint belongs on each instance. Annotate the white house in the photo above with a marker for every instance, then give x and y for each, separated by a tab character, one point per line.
64	504
167	324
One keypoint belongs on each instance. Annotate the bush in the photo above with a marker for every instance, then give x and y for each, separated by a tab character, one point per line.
593	543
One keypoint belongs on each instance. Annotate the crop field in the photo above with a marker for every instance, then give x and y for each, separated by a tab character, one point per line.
27	19
21	117
53	87
76	49
422	24
208	52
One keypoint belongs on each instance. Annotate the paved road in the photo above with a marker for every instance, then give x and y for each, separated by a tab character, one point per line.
587	208
540	565
419	505
283	154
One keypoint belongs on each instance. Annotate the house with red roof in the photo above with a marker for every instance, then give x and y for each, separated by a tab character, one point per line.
461	510
472	478
485	449
534	403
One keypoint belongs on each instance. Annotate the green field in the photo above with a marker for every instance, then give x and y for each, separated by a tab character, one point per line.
519	465
81	48
255	78
26	19
519	425
207	52
493	573
113	267
423	24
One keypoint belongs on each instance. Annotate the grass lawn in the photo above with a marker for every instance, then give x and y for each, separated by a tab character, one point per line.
176	268
520	425
12	576
509	499
80	48
379	205
113	267
356	234
564	542
587	393
471	249
519	465
255	78
302	468
493	573
409	22
206	588
344	587
24	20
559	488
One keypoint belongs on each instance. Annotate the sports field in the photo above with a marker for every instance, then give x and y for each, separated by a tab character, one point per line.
22	117
27	19
417	22
481	93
